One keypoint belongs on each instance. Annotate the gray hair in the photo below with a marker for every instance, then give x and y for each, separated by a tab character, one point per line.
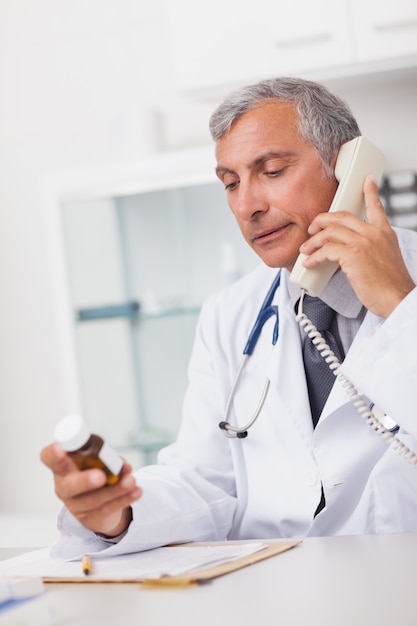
324	119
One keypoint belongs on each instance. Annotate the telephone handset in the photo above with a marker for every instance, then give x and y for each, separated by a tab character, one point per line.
356	159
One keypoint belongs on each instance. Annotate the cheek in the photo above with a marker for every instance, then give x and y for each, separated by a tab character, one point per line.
318	200
325	192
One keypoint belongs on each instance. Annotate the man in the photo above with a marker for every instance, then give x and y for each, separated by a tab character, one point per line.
276	147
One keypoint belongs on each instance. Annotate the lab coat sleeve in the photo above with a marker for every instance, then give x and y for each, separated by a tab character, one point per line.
383	365
190	494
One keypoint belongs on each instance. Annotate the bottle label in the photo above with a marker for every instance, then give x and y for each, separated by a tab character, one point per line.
111	459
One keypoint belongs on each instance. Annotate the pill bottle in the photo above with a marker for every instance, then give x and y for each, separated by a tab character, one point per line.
86	449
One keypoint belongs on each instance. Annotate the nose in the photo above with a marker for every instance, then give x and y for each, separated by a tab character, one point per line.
250	201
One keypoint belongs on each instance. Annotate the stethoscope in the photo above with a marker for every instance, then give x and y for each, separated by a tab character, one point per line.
377	420
266	311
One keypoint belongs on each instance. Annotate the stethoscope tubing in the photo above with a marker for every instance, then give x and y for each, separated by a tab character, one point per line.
265	312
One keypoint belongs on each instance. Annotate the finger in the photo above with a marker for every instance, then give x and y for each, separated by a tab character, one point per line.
112	518
327	252
110	508
77	483
340	227
127	468
375	212
336	219
55	457
107	499
92	481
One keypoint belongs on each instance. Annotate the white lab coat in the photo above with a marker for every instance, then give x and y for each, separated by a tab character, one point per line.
209	487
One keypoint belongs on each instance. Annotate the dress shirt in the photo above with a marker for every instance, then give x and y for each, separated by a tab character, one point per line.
340	296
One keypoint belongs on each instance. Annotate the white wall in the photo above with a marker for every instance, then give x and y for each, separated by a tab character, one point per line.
86	83
77	81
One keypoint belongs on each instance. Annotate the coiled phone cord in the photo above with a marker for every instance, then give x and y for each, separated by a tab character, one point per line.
361	406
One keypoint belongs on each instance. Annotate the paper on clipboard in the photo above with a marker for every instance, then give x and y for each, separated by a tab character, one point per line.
182	564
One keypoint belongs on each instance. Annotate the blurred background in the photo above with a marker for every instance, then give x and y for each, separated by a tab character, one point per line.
113	228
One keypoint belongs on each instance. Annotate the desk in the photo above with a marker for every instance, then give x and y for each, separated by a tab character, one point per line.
326	581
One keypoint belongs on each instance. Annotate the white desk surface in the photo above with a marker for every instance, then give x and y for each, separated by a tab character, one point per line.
327	581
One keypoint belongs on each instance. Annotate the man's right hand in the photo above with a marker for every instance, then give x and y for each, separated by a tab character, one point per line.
99	507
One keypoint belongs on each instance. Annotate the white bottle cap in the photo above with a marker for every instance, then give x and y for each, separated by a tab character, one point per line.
72	432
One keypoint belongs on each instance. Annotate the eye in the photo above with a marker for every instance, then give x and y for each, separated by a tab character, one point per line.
230	182
274	173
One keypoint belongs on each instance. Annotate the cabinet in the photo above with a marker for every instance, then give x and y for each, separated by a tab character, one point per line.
139	255
384	30
221	44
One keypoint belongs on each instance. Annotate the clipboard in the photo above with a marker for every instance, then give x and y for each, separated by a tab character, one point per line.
194	577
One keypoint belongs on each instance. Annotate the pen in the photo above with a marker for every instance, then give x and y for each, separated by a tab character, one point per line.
86	565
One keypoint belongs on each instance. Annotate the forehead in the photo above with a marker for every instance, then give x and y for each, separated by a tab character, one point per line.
269	126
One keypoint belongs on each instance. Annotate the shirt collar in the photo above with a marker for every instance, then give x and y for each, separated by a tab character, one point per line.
338	295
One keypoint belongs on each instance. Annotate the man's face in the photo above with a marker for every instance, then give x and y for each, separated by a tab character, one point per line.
275	181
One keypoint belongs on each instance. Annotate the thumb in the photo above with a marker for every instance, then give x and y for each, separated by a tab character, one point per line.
375	212
55	457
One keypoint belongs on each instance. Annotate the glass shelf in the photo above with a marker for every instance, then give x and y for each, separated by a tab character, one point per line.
132	311
140	265
148	442
166	313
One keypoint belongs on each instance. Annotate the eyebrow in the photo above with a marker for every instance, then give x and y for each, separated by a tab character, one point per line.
258	161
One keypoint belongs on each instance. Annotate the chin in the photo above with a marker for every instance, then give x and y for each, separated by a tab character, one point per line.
274	261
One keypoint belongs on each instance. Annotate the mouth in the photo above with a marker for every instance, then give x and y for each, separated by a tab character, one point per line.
270	235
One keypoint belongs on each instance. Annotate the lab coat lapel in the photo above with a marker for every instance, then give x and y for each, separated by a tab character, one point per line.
286	368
